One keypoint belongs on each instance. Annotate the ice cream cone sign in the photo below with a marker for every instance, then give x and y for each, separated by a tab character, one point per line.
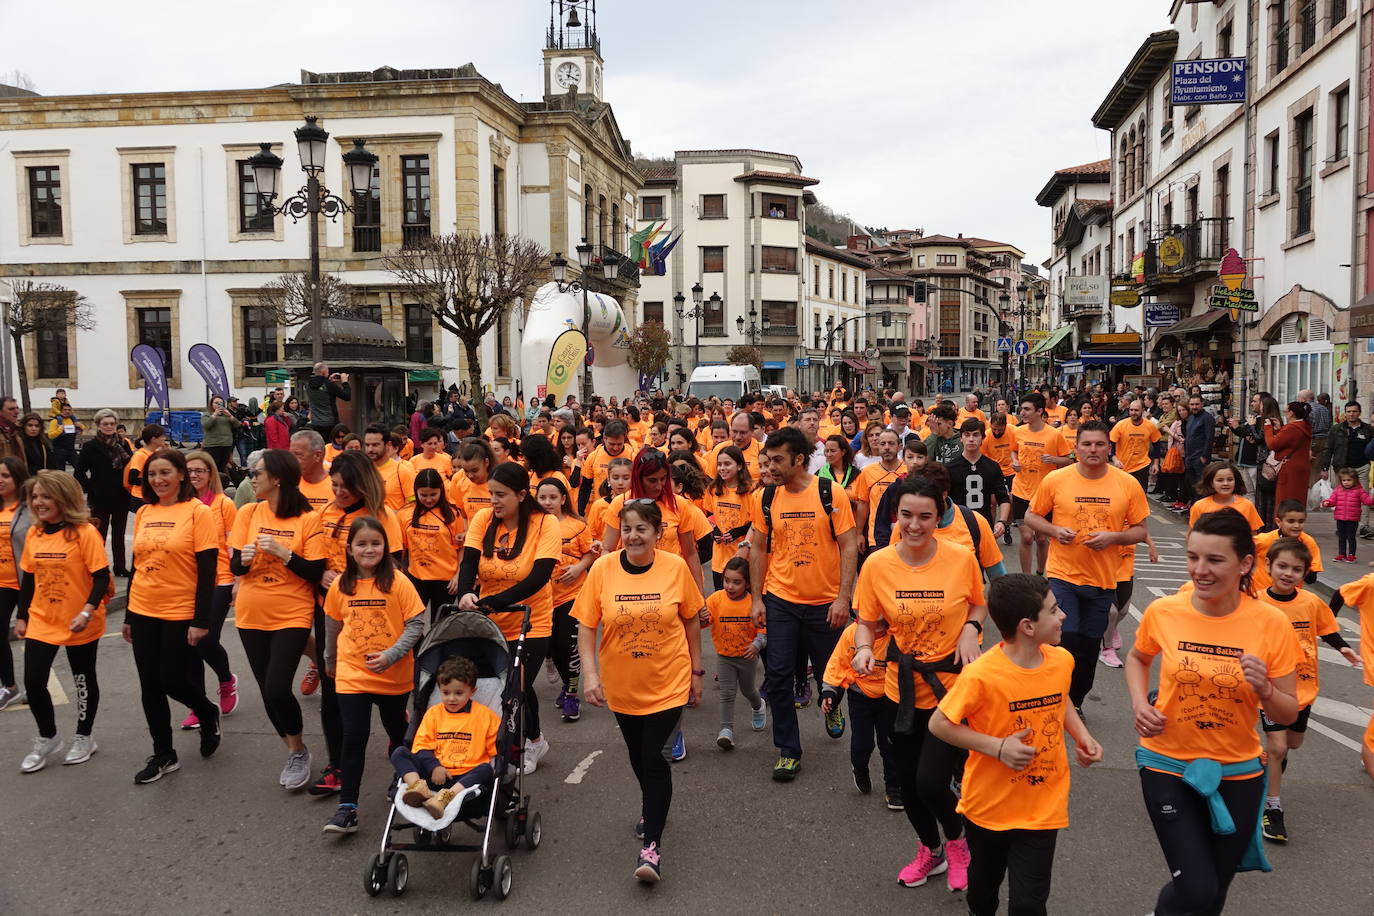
1232	273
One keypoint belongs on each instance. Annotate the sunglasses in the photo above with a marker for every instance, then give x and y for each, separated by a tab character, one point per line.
640	501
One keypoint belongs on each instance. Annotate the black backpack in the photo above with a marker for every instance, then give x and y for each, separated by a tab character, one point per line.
827	506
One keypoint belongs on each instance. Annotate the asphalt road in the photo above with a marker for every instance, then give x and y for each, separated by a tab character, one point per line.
221	837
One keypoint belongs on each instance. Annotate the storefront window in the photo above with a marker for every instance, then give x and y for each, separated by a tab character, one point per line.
1293	367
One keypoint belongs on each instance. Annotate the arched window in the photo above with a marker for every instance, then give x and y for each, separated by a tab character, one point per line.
1123	171
1140	157
588	215
1131	184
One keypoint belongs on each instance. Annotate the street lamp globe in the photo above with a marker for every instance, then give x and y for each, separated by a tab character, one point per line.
1040	298
679	301
359	161
610	265
887	319
1004	300
767	323
715	302
266	167
697	291
559	266
739	324
584	255
311	141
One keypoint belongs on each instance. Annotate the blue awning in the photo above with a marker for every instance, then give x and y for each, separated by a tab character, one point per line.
774	364
1110	359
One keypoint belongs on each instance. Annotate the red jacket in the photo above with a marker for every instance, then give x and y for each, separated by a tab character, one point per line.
278	431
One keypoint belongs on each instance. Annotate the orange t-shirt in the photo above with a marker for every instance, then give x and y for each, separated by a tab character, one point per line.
965	414
9	565
460	740
576	537
685	519
398	479
1211	710
272	597
319	494
1239	503
1056	414
752	454
497	573
804	561
1000	449
136	463
925	606
1113	502
730	510
1311	619
63	565
555	475
1263	542
470	498
869	488
372	622
596	515
432	545
1359	594
166	541
839	670
732	629
1133	443
646	666
441	462
1029	447
957	532
224	512
996	696
334	525
598	464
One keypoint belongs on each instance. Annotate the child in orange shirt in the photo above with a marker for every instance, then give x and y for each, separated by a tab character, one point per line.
1010	706
433	534
580	549
1360	594
454	745
737	642
1291	518
867	726
1222	487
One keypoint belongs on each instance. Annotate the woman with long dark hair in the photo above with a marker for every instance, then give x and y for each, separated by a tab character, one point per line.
1292	448
37	446
650	478
730	501
839	462
15	519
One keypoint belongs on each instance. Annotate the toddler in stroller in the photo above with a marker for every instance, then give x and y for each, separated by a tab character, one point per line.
453	746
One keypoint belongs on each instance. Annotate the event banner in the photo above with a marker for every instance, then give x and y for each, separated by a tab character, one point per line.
568	351
207	362
148	362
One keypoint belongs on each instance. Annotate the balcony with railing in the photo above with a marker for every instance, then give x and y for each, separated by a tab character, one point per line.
367	238
1068	311
627	270
1193	252
413	236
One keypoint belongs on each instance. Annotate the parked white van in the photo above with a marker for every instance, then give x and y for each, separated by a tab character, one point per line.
723	382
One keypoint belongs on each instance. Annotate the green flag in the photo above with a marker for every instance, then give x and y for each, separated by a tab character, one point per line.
637	241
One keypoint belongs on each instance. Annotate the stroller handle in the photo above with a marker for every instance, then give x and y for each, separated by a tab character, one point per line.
524	609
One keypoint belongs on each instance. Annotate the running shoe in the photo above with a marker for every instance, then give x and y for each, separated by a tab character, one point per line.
834	722
1366	532
210	737
83	746
551	671
330	781
1116	641
228	695
345	820
9	696
158	765
650	867
1109	658
639	829
759	718
785	770
863	782
572	708
679	747
535	751
957	876
43	750
803	696
296	773
725	740
894	800
1274	828
919	869
311	682
1006	536
192	721
437	804
558	700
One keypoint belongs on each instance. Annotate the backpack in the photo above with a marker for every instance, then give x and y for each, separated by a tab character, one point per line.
823	484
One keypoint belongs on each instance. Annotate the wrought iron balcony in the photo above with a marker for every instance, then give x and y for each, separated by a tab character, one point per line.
627	270
1195	251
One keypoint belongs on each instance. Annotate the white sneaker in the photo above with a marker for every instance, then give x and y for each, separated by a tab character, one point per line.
535	751
296	773
83	746
43	750
10	696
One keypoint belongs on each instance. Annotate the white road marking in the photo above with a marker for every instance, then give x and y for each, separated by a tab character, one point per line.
579	772
59	696
1348	713
1333	735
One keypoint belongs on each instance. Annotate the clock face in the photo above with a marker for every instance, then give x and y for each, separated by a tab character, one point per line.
568	74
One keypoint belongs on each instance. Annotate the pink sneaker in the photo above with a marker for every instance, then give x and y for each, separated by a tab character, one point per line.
229	695
957	851
1109	658
1116	641
919	869
191	721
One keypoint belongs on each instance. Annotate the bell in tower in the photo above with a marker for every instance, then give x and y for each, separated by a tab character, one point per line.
572	50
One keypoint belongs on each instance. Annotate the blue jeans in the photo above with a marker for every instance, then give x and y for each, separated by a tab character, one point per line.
1086	610
791	628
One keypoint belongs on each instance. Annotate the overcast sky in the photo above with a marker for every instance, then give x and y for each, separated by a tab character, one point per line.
945	116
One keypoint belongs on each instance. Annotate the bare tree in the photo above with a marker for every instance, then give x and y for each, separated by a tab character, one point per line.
287	298
42	308
18	79
468	282
650	347
745	355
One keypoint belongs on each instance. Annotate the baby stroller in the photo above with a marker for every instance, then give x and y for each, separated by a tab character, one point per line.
475	636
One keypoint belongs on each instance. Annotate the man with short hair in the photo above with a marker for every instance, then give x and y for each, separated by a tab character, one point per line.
1040	449
596	467
308	448
1198	432
1088	512
975	480
943	442
398	477
1055	413
744	427
809	422
1132	438
872	483
1320	421
1347	448
970	410
322	389
802	565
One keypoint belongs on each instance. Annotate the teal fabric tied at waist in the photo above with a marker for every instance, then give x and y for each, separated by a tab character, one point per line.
1204	777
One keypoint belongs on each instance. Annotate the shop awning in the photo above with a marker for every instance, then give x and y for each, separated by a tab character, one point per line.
1195	323
1049	343
923	364
893	367
860	366
1109	359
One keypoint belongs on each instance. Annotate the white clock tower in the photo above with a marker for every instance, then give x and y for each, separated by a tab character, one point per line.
572	50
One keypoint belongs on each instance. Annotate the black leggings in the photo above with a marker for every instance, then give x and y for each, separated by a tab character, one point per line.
331	722
1029	857
434	593
1124	590
646	738
274	655
167	666
111	521
221	454
9	599
1203	863
38	659
1084	650
211	646
925	765
356	711
536	650
563	647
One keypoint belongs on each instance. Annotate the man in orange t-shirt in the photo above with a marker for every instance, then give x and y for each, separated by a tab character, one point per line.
398	477
1088	511
802	566
1132	438
1039	449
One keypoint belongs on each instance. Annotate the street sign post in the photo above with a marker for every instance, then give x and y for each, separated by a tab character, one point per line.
1004	345
1022	348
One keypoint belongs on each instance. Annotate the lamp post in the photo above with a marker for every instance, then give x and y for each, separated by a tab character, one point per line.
1022	310
831	327
754	328
694	313
312	200
558	266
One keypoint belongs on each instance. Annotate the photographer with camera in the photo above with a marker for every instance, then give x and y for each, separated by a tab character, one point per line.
322	389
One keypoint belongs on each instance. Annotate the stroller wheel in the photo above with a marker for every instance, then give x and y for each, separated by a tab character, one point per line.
534	831
444	836
374	877
398	874
504	874
478	880
513	830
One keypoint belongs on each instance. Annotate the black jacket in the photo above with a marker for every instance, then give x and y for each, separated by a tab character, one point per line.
100	471
320	394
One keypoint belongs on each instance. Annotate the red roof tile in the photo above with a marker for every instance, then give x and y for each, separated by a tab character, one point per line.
780	177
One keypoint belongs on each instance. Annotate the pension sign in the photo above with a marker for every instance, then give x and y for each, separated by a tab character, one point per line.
1209	82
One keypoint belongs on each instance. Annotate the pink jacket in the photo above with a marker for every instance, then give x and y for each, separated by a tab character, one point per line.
1347	502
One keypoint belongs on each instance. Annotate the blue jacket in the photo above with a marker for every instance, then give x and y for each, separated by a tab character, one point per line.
1198	432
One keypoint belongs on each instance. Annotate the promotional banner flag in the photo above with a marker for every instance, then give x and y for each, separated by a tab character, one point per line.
207	362
568	351
148	362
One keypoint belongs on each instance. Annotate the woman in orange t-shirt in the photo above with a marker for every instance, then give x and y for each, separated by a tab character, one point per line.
510	552
580	549
335	446
61	604
14	524
647	663
1223	657
433	535
469	491
205	481
730	502
374	618
171	592
650	479
278	553
930	592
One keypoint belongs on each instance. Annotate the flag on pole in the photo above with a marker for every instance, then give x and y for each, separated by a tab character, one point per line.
648	244
637	242
658	254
